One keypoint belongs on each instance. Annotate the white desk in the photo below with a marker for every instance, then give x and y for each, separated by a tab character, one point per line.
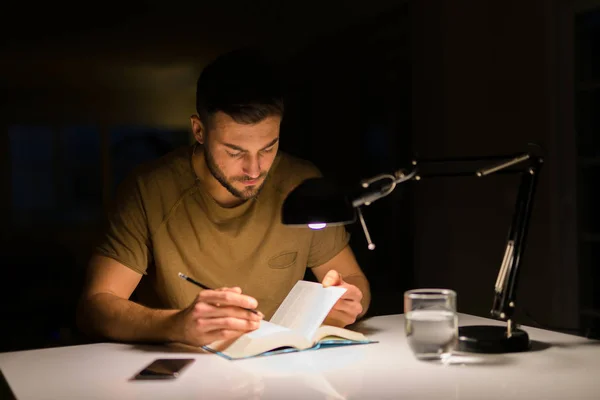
568	369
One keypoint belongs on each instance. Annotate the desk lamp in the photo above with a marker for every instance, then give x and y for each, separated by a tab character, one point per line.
319	203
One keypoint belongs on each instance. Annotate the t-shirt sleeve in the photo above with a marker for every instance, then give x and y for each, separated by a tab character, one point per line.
127	236
326	244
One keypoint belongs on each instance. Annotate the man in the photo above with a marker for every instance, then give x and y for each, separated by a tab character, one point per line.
213	212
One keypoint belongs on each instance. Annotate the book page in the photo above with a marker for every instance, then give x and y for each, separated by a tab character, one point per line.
327	332
266	328
306	306
267	337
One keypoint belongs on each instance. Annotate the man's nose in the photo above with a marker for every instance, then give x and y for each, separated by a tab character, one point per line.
252	166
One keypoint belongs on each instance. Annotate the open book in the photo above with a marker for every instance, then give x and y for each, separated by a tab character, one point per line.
295	326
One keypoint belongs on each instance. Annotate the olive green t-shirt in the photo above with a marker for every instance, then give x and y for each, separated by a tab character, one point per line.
164	222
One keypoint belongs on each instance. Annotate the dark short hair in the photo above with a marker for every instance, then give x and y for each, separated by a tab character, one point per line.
243	84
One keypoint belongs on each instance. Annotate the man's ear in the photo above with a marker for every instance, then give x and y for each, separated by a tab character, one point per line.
198	129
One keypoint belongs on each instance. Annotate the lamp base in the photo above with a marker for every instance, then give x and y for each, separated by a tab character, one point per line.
491	339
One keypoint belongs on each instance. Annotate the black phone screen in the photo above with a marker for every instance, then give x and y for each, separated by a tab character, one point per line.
164	368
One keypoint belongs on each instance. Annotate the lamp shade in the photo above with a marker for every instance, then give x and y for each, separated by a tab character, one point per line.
316	202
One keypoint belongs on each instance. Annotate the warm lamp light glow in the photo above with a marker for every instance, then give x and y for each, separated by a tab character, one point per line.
317	226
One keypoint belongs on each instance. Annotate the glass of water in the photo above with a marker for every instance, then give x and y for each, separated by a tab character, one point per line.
431	323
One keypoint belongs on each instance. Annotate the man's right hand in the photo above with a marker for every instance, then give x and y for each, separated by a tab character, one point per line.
216	315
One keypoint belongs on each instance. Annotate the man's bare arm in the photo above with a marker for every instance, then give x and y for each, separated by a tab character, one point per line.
106	312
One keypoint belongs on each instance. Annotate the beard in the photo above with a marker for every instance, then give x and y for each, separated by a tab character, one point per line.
247	193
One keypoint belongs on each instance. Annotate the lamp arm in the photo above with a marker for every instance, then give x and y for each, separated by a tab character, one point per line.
505	290
369	197
402	176
503	165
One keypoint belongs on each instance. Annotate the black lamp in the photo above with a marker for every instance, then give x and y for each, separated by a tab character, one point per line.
318	203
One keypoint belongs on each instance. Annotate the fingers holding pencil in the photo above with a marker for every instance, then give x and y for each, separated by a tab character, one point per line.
250	301
216	314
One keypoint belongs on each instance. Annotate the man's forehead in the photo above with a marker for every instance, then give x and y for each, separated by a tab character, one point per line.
222	120
246	145
260	133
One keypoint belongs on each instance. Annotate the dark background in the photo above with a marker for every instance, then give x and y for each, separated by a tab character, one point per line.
88	93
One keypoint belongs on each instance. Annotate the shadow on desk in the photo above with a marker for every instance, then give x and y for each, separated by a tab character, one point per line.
6	392
591	343
482	359
167	348
538	346
361	327
478	360
488	359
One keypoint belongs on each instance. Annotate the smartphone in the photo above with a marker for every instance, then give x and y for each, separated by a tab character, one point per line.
164	368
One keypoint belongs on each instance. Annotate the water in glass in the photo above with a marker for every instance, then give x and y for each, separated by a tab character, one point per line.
432	334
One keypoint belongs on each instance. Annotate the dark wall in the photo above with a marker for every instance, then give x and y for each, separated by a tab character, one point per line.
486	82
350	113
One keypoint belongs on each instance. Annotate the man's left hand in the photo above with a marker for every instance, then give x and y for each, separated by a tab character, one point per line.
347	309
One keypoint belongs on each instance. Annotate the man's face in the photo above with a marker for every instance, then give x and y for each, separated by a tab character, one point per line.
238	155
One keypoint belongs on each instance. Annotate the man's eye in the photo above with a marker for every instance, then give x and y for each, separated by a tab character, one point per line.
268	150
235	155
